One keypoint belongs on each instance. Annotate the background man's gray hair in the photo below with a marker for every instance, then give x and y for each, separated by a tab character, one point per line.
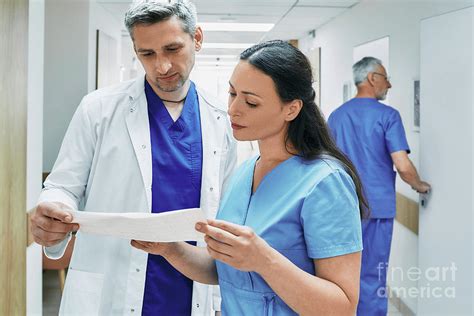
361	69
153	12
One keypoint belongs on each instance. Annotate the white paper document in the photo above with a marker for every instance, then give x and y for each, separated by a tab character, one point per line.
158	227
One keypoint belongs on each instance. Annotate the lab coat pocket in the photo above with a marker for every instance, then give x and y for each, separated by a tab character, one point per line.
82	293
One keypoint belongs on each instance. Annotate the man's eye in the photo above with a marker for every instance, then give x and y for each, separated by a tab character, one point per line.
147	54
232	94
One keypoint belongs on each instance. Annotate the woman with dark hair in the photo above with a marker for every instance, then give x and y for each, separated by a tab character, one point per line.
288	236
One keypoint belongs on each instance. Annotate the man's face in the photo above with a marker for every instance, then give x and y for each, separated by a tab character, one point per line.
381	83
166	52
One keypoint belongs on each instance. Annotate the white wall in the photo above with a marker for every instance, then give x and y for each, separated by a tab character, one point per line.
445	241
70	63
65	69
367	21
34	148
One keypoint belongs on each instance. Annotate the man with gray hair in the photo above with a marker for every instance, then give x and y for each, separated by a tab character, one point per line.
371	134
154	144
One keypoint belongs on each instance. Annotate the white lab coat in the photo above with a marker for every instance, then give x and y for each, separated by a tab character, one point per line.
105	165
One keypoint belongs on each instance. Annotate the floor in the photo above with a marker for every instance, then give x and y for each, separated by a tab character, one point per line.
392	310
52	295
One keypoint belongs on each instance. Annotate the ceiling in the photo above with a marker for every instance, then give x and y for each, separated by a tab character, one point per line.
293	19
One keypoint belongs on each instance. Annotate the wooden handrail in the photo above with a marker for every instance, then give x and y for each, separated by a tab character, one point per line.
407	212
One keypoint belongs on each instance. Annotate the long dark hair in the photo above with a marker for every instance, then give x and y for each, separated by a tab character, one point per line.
308	133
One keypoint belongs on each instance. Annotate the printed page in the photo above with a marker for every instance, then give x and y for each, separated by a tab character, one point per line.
170	226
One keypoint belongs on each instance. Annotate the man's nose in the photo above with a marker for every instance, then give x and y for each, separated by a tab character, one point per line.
163	65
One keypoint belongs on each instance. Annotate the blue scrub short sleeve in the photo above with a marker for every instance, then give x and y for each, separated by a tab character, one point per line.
330	217
395	137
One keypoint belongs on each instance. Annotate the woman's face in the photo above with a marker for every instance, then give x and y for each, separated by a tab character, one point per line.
255	109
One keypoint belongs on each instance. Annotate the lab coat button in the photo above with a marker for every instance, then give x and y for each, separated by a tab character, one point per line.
215	152
144	146
132	310
218	117
132	109
138	270
211	189
197	305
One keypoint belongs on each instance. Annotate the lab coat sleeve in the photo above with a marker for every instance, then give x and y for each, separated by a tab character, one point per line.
57	251
67	181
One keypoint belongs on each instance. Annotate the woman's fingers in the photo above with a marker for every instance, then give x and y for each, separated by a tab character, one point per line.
142	245
216	233
219	246
218	255
137	244
232	228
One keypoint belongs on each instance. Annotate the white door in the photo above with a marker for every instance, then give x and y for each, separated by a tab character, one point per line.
445	231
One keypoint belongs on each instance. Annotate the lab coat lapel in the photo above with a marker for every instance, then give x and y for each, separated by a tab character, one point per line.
213	133
139	130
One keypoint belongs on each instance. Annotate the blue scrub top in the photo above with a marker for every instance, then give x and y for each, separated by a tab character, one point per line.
368	131
176	184
304	209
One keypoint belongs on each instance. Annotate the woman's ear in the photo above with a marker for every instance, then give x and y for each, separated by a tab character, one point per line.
293	109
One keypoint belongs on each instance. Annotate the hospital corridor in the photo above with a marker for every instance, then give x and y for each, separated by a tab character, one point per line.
237	157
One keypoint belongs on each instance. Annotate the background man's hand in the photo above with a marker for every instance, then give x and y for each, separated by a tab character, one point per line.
51	222
423	187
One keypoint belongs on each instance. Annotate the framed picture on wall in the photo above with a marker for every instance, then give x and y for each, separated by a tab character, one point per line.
107	70
314	56
346	91
416	106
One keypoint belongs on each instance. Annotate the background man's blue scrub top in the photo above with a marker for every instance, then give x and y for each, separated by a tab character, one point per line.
368	131
177	167
304	209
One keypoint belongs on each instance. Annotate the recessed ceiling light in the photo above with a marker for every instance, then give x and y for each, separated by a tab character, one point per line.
237	27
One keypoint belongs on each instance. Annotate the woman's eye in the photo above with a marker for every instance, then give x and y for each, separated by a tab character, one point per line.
252	105
232	94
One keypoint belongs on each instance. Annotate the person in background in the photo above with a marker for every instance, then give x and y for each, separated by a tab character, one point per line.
154	144
372	136
288	236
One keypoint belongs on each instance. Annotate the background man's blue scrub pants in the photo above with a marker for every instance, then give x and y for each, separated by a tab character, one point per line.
377	238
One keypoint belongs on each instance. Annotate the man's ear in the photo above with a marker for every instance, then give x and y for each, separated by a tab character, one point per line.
293	108
198	38
370	78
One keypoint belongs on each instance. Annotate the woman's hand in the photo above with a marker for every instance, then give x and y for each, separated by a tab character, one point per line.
235	245
156	248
